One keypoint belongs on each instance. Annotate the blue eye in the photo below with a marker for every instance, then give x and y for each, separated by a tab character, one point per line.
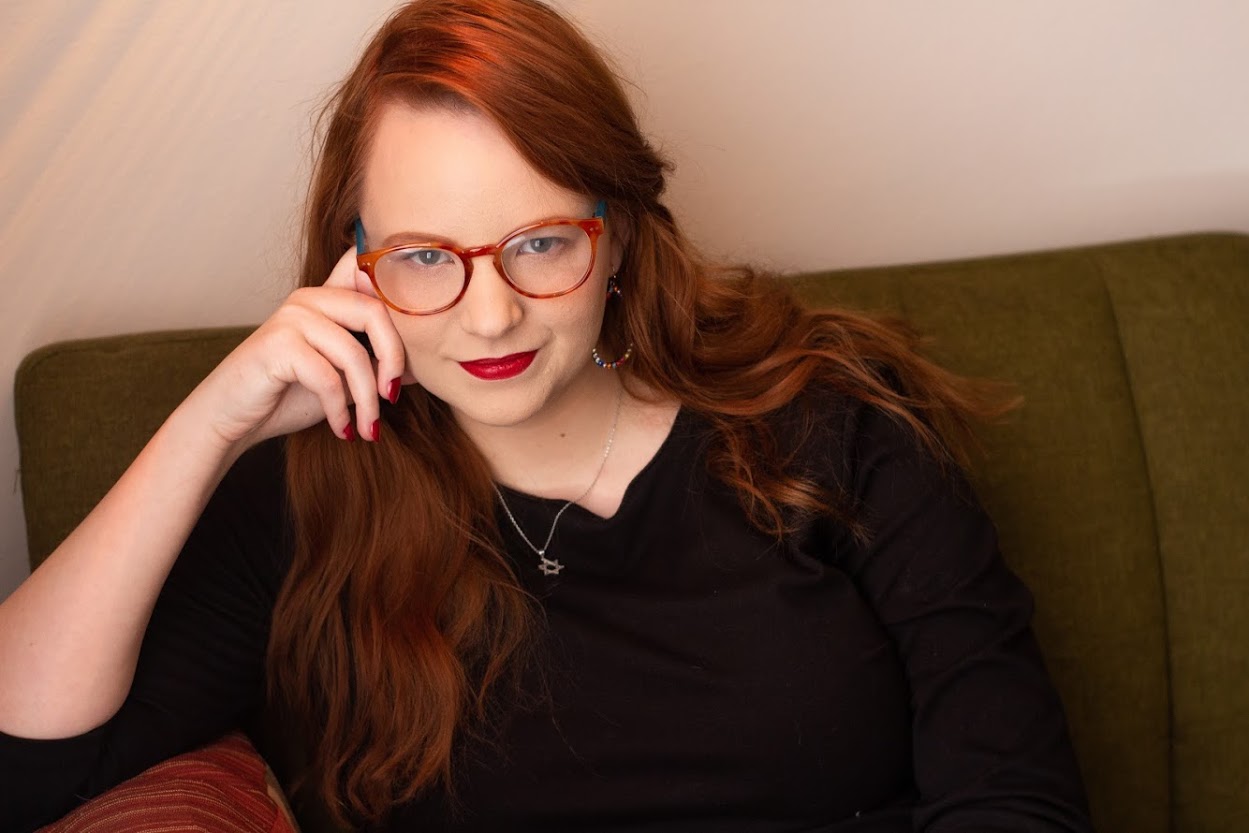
540	245
427	257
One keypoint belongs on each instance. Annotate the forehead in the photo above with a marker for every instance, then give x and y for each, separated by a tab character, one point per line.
453	173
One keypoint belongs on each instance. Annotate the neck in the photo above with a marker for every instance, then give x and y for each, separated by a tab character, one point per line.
556	452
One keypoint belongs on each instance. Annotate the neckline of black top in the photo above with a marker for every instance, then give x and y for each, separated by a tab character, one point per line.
523	502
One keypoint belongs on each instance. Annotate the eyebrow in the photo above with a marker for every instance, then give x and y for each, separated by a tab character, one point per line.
400	238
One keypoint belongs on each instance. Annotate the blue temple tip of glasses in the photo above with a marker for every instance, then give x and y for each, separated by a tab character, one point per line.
600	210
359	236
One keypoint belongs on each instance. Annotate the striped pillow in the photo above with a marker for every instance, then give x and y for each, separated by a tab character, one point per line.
225	787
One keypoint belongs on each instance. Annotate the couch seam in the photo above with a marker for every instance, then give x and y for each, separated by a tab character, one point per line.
1164	594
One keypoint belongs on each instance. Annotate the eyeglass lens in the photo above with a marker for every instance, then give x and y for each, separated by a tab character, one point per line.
541	261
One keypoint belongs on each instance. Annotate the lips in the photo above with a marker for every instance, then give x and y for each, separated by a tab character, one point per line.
501	368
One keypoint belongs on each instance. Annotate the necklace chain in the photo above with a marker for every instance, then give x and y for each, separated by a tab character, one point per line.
549	566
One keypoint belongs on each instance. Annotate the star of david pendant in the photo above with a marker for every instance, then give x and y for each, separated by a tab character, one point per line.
549	566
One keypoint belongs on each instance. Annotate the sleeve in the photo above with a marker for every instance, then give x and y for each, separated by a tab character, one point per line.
990	745
201	667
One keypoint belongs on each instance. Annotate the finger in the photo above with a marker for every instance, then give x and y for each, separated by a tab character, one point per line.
343	275
362	313
311	370
389	352
352	361
384	339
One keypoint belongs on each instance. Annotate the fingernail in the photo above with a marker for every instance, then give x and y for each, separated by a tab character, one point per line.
392	392
349	433
376	431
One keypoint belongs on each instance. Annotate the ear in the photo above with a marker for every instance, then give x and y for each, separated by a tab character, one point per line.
617	244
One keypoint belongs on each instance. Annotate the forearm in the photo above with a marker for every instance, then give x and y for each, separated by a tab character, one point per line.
70	635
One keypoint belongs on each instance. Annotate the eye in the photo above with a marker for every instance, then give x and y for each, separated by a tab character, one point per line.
540	245
427	257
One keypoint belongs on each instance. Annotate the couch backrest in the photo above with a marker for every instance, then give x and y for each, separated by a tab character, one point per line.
1119	489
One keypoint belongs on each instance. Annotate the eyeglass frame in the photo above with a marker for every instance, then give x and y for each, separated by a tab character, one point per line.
593	227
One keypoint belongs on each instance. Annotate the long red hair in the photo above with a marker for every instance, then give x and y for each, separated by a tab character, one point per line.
400	621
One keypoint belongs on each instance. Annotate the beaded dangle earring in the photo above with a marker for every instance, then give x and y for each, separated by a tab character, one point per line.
613	291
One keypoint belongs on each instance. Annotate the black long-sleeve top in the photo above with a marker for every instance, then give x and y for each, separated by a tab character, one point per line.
702	677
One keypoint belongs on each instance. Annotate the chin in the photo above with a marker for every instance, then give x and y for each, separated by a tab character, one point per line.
503	416
497	404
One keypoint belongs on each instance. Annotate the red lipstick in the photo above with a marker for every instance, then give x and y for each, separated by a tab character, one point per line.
501	368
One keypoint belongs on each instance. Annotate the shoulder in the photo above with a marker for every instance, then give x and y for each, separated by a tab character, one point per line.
827	427
872	461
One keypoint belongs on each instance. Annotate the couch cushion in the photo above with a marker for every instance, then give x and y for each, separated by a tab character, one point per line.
224	787
1183	313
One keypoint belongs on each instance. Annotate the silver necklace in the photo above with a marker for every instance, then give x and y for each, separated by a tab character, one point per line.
551	566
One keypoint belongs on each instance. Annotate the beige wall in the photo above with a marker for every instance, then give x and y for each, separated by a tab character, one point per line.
153	152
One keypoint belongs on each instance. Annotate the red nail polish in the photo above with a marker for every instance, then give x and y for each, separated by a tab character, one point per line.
349	433
376	430
393	392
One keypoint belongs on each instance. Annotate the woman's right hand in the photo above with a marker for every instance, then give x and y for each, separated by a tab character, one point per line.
70	634
304	364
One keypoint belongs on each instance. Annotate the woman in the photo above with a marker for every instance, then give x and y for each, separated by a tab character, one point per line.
599	537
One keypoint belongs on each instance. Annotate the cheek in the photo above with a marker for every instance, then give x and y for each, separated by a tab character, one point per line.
420	342
583	319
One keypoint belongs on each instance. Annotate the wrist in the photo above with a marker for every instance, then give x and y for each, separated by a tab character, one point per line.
192	432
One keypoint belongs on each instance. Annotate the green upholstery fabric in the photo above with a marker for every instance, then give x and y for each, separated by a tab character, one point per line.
1119	489
86	408
1184	320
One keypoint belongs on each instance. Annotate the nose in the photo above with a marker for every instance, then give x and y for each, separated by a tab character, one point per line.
489	307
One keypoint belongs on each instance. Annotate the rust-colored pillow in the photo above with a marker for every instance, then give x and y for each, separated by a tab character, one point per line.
225	787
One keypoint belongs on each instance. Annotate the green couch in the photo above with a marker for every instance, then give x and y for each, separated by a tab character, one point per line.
1119	489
